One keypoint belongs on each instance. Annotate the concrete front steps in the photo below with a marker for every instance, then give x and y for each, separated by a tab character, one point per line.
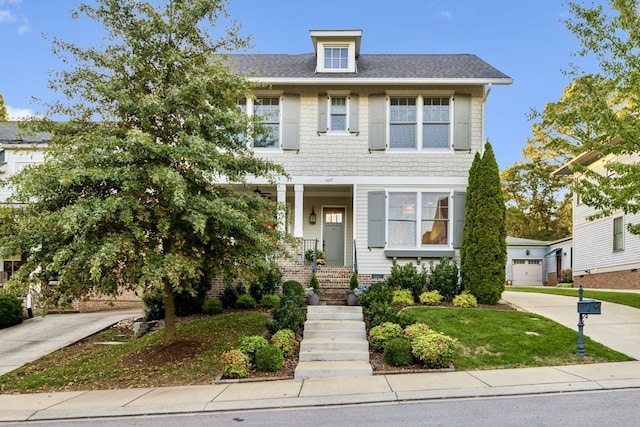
334	343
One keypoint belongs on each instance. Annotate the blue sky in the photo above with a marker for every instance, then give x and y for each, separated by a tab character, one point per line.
525	40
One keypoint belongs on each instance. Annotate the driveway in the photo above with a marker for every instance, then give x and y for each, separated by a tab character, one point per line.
40	335
618	327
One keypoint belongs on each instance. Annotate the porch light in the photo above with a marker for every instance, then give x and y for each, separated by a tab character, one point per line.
312	216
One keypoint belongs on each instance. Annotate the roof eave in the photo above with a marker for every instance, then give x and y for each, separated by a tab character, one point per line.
379	81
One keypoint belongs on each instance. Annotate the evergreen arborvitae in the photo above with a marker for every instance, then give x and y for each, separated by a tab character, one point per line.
484	250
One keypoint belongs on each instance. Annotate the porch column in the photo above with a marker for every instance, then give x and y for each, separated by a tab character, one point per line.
298	211
281	198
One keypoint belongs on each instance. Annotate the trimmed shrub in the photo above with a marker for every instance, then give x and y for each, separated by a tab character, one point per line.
379	335
285	340
430	298
397	352
186	303
229	296
444	278
353	281
235	364
250	344
269	359
380	312
153	303
408	277
416	330
289	315
270	301
465	300
246	301
433	350
10	311
379	292
293	290
402	298
267	282
212	306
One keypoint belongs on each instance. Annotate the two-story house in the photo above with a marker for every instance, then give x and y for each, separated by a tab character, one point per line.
377	146
606	254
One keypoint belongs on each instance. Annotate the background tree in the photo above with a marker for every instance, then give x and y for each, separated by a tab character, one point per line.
484	246
538	203
131	200
4	114
599	111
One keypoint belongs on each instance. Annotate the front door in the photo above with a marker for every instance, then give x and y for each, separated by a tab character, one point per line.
333	220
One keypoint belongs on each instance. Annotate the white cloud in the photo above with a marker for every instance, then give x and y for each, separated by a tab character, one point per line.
446	14
6	16
24	27
19	113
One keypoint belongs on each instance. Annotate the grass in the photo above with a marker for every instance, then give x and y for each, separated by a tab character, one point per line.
495	339
631	299
88	365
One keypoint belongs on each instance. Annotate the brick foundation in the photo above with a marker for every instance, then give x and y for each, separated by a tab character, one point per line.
624	279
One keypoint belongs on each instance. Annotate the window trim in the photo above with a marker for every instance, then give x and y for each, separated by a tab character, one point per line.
420	123
350	45
418	246
249	104
618	221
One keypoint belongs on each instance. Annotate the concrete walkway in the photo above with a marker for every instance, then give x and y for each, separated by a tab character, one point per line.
373	389
40	335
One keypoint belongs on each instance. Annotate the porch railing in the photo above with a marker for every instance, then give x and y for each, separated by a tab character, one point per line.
310	246
355	257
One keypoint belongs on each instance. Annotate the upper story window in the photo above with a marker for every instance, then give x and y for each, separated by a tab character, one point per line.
338	113
418	219
268	109
431	129
618	234
336	58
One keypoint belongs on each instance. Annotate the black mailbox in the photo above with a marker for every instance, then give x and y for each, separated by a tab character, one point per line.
589	306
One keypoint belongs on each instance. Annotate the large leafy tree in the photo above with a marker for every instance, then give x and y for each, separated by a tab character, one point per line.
484	246
128	196
599	111
538	203
4	115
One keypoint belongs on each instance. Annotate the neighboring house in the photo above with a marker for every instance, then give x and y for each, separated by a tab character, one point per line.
537	262
17	150
606	255
377	146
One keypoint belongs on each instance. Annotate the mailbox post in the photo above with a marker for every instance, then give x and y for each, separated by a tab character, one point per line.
585	308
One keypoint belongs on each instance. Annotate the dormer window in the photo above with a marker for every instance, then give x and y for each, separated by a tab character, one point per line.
336	58
336	50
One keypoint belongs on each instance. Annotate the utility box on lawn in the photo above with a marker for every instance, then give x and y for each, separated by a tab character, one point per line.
589	306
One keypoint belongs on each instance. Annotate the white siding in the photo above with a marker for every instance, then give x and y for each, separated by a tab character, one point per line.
15	159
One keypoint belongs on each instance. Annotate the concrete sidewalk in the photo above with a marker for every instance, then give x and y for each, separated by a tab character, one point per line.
40	336
318	392
617	328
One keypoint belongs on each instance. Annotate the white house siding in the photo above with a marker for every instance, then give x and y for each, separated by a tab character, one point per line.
16	158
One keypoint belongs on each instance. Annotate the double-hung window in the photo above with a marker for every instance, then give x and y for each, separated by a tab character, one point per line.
419	123
268	133
618	234
338	114
418	219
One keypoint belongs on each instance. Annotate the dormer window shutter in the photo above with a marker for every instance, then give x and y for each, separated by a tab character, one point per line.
322	113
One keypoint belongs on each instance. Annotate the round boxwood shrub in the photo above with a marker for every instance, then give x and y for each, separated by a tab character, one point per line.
269	358
416	330
402	298
430	298
250	344
246	301
397	352
10	311
270	301
433	350
379	335
465	300
294	291
285	340
235	364
288	315
212	306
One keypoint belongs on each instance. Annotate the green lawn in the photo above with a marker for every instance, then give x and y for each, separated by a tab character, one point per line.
493	339
631	299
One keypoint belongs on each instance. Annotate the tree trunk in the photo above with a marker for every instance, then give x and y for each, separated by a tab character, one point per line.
170	333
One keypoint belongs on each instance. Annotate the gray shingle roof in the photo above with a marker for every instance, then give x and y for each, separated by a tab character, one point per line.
10	133
401	66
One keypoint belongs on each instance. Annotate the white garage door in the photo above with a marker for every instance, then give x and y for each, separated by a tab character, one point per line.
527	272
